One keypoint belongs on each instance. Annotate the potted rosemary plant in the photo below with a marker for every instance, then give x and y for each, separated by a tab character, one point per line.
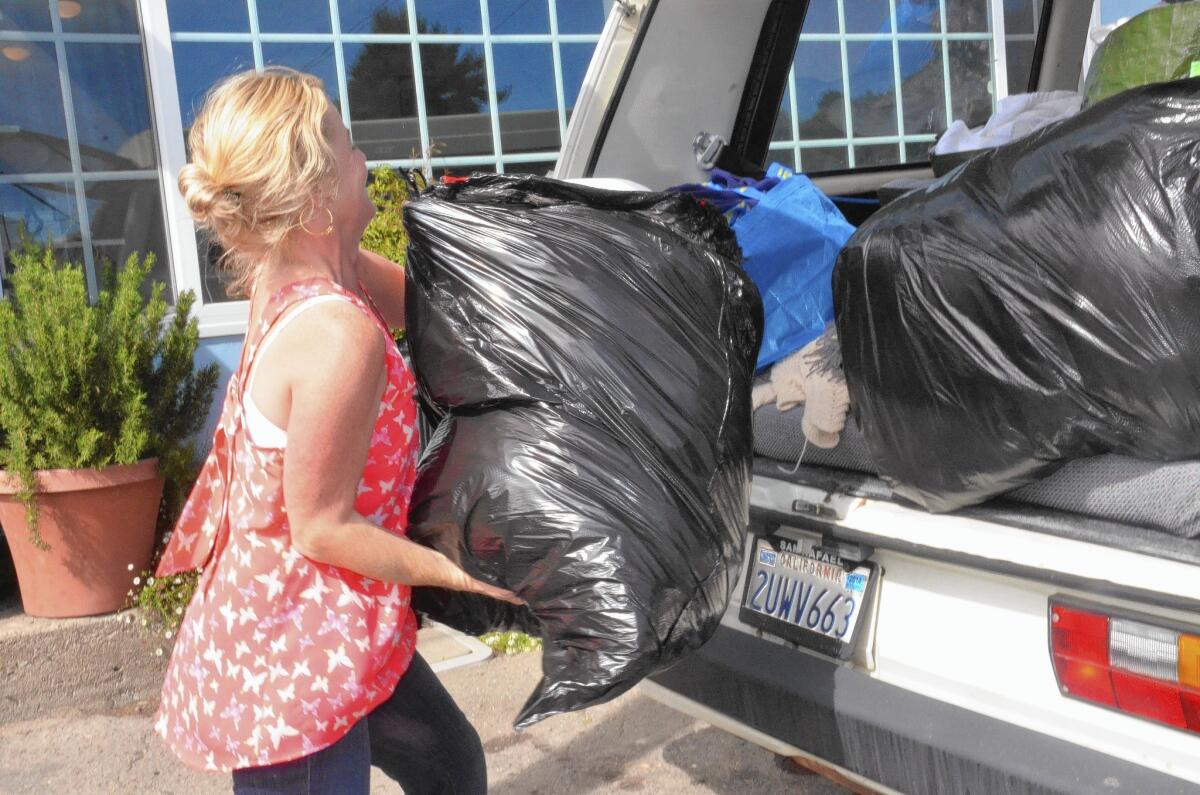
98	402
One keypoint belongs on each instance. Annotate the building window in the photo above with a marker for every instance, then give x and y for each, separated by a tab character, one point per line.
875	81
78	158
449	85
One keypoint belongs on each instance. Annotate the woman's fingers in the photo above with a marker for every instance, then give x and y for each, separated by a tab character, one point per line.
502	595
481	587
459	580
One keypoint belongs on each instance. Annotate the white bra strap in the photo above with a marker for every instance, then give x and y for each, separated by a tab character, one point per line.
288	316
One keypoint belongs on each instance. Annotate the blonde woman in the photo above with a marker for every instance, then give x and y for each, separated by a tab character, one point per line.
295	665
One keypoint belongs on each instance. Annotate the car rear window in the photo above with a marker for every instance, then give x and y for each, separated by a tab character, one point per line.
873	82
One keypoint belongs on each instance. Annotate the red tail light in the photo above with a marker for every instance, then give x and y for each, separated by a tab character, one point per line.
1140	695
1142	668
1080	643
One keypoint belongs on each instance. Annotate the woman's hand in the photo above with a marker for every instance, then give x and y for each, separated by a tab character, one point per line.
455	579
442	540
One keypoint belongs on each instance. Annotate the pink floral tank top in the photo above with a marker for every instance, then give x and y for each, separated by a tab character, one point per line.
278	655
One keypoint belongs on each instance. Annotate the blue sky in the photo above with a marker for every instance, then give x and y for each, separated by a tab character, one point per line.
1112	10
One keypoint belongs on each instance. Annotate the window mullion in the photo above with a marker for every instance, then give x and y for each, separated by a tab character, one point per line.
560	94
946	62
64	82
255	41
898	79
339	64
795	108
841	12
490	63
419	86
999	59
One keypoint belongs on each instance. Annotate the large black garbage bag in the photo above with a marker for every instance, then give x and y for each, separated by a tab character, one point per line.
1038	304
589	356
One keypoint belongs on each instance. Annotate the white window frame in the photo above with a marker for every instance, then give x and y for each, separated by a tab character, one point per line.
216	319
228	318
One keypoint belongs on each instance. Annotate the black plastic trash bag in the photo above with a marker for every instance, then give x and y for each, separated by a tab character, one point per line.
592	354
1038	304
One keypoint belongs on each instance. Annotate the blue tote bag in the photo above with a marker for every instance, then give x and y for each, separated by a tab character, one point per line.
790	237
790	233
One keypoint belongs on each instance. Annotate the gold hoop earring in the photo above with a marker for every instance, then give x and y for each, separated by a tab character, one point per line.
328	229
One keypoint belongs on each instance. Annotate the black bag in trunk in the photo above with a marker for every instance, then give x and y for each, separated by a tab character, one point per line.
1038	304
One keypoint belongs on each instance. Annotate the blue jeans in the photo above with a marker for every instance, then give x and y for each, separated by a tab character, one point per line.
419	737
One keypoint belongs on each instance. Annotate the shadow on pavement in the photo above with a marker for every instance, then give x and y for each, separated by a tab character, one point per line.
598	757
641	747
704	756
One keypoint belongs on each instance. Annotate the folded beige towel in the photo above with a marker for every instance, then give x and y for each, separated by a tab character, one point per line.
812	377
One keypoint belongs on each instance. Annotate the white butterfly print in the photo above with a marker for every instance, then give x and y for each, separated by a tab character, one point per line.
317	590
337	658
348	596
234	712
252	682
230	615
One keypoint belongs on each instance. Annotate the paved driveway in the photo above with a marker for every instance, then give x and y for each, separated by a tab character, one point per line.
76	718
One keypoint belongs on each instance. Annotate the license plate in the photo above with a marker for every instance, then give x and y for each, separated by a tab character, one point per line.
805	595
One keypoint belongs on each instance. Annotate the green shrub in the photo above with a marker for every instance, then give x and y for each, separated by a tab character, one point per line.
162	602
385	234
87	385
511	642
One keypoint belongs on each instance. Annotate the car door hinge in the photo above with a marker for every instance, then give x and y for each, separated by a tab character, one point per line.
707	147
627	8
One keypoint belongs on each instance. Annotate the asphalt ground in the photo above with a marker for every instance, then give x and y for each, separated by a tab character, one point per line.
76	706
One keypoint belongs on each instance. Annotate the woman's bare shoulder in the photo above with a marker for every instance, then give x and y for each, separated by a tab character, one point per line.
384	280
334	327
331	340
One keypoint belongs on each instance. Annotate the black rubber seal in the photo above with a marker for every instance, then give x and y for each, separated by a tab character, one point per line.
627	69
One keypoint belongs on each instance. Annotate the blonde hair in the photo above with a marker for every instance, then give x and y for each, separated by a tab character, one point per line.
259	158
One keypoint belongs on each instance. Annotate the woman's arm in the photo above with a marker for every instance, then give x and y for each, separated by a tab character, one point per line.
384	280
336	383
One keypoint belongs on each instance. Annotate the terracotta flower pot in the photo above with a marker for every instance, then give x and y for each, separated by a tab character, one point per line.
96	522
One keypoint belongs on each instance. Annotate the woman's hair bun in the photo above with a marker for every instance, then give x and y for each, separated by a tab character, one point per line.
259	158
211	204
